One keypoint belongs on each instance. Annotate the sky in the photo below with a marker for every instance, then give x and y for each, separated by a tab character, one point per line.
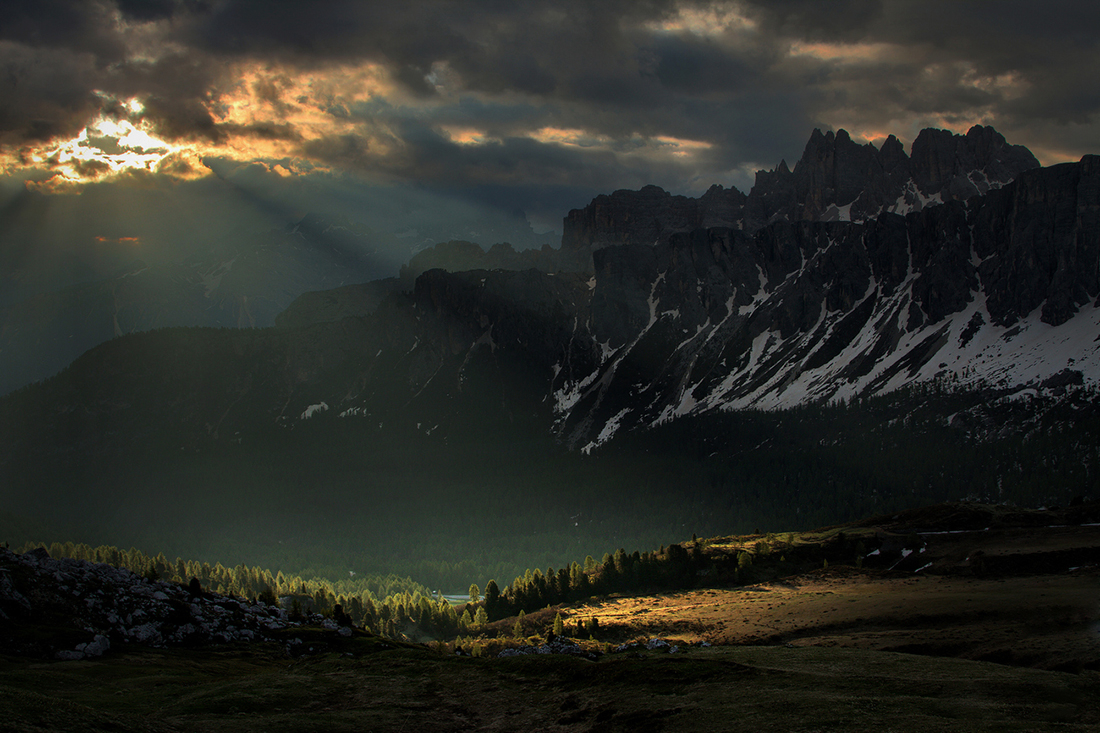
499	105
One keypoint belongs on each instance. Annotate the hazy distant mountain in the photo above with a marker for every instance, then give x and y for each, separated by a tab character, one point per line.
245	284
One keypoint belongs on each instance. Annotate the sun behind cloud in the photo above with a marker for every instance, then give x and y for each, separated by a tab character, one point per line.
269	114
111	145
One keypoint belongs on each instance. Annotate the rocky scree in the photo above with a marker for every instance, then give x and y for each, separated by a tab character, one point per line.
74	609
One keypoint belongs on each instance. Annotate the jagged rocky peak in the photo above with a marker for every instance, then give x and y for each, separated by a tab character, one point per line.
834	171
960	166
836	179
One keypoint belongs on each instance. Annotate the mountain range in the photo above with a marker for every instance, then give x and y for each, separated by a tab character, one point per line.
995	286
63	292
798	346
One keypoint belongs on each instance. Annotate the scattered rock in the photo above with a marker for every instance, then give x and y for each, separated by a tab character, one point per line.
108	606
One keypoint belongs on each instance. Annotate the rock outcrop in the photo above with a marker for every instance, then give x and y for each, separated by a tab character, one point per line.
649	216
88	609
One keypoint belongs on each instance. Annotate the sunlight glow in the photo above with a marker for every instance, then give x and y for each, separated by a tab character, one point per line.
681	147
105	148
706	22
271	112
568	136
279	117
135	241
467	136
634	146
845	52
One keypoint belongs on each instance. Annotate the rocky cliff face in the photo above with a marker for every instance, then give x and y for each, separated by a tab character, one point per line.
1002	289
648	216
836	179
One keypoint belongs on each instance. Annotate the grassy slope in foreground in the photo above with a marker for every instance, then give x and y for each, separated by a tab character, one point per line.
790	673
733	688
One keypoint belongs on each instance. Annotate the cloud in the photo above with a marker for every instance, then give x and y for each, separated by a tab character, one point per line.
536	96
811	20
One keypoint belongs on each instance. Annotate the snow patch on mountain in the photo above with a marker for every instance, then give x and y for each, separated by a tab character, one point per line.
912	199
608	431
212	279
313	410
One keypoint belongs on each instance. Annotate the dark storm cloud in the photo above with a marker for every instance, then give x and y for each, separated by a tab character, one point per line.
1051	48
410	35
749	79
55	55
154	9
813	20
79	26
695	66
44	93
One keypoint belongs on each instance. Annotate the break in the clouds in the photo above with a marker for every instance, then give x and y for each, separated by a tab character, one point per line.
529	101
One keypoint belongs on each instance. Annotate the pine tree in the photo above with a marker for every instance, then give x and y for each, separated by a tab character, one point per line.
492	600
558	625
564	585
267	596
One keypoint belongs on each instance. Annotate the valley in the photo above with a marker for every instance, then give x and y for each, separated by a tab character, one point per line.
991	623
688	365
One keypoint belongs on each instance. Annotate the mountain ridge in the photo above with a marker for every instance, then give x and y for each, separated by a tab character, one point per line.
816	310
836	179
